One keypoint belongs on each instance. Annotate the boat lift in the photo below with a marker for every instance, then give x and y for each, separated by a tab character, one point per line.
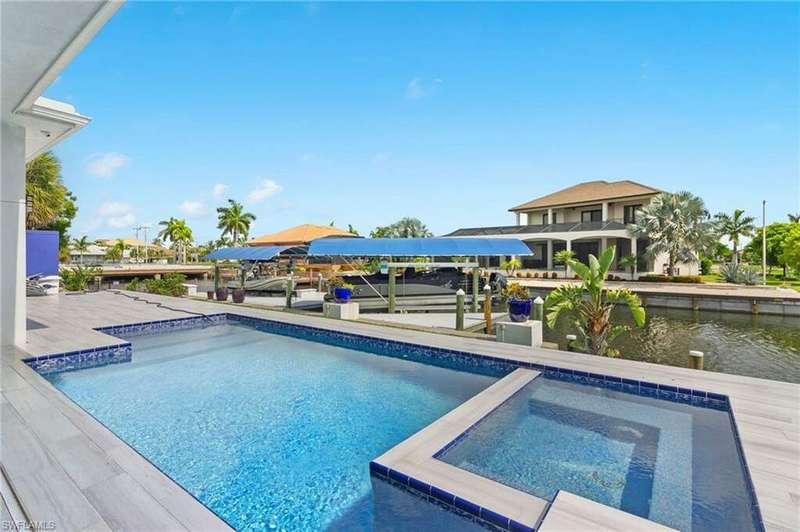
415	247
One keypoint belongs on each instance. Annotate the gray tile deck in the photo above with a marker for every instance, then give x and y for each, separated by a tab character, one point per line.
41	427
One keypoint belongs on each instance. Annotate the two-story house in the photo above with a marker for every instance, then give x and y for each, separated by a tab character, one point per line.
585	218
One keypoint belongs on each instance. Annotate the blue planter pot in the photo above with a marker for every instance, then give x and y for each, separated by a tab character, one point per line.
342	295
519	310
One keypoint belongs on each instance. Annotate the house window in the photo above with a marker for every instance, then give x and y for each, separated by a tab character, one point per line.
629	213
545	218
592	216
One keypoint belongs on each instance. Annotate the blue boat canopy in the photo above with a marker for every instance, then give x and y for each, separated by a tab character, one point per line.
408	247
254	253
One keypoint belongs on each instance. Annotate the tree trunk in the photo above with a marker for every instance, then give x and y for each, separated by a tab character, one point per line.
735	252
671	265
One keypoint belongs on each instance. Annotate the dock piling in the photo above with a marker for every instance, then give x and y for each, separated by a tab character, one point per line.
487	308
476	281
460	310
392	289
538	309
289	290
696	359
570	338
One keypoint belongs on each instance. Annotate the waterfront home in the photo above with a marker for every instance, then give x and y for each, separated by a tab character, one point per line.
300	235
584	218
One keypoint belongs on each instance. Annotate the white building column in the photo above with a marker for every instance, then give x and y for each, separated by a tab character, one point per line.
549	254
518	218
12	236
605	211
549	216
635	254
567	270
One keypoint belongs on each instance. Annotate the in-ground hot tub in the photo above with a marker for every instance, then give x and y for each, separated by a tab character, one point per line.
676	462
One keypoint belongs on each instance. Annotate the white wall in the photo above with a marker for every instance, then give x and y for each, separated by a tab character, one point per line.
12	236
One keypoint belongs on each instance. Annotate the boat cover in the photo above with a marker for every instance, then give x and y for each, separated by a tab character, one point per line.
429	247
252	253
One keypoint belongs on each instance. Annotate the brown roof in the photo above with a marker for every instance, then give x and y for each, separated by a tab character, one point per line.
299	235
589	191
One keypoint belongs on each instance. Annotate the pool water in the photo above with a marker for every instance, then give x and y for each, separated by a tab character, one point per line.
673	463
270	432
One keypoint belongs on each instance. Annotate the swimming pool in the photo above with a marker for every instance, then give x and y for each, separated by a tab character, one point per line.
673	463
269	431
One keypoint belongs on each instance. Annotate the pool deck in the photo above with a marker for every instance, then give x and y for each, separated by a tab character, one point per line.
64	466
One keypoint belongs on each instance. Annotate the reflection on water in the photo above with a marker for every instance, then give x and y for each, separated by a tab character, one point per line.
758	346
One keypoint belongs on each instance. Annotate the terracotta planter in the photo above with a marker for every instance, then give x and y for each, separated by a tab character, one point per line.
222	294
238	295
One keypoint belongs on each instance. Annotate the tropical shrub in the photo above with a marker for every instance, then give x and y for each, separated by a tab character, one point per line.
736	273
563	256
511	265
591	316
170	284
78	277
338	282
628	262
515	291
705	265
135	284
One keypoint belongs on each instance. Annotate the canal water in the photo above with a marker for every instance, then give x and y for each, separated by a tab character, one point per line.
743	344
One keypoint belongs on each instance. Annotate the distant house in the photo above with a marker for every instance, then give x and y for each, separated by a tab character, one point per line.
585	218
96	252
300	235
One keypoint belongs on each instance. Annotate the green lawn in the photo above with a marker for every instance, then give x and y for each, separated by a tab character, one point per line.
774	278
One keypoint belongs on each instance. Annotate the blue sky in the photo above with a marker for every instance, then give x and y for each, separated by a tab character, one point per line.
365	113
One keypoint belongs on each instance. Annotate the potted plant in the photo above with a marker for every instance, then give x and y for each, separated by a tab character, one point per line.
342	291
238	293
519	302
220	290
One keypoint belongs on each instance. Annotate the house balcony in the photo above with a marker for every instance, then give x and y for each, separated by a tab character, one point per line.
615	225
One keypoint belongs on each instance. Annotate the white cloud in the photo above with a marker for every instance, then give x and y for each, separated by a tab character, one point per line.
106	164
418	89
192	209
121	222
414	90
113	214
219	190
113	208
265	189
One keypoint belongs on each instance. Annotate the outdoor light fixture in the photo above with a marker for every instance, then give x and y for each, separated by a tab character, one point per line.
28	204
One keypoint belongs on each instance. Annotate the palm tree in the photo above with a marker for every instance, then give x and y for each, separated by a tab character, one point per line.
628	262
81	245
44	185
735	227
563	257
591	315
794	218
411	228
234	221
677	225
177	232
117	251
